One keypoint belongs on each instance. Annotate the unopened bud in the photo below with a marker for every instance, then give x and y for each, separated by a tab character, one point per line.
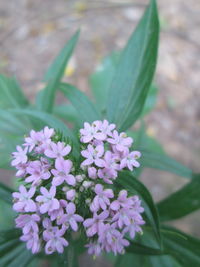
87	184
81	189
70	195
88	201
79	178
65	188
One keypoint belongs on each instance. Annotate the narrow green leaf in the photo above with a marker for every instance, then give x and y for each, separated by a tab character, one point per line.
5	193
162	162
11	95
54	75
82	104
12	250
130	260
101	79
128	182
162	261
135	71
184	248
187	200
68	113
138	248
150	100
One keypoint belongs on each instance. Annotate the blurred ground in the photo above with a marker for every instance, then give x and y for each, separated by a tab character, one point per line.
33	31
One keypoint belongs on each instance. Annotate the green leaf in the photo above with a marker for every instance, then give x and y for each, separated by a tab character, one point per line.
150	100
11	95
130	260
138	248
187	200
162	162
133	76
11	124
162	261
101	79
82	104
54	74
68	113
5	193
128	182
184	248
12	251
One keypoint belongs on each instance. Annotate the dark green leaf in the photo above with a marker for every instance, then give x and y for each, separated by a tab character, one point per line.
68	113
11	95
184	248
162	261
5	193
135	71
138	248
130	260
182	202
82	104
54	75
101	79
12	250
150	100
163	162
128	182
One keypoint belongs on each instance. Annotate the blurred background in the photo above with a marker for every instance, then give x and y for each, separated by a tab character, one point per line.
33	31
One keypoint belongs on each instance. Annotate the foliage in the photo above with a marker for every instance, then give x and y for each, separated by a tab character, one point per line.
124	93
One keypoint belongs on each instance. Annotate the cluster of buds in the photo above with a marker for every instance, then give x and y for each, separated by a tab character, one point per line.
59	195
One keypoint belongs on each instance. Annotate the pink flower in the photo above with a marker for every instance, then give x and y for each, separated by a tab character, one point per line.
70	195
93	155
21	169
20	157
32	140
51	231
94	248
101	200
134	226
122	201
112	240
23	201
61	173
130	160
27	222
89	132
111	161
56	243
107	128
122	217
47	200
92	172
107	175
71	218
33	241
37	172
57	214
137	204
57	150
121	141
39	140
95	223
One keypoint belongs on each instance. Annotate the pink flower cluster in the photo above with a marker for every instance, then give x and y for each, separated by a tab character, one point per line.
107	151
56	192
111	220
